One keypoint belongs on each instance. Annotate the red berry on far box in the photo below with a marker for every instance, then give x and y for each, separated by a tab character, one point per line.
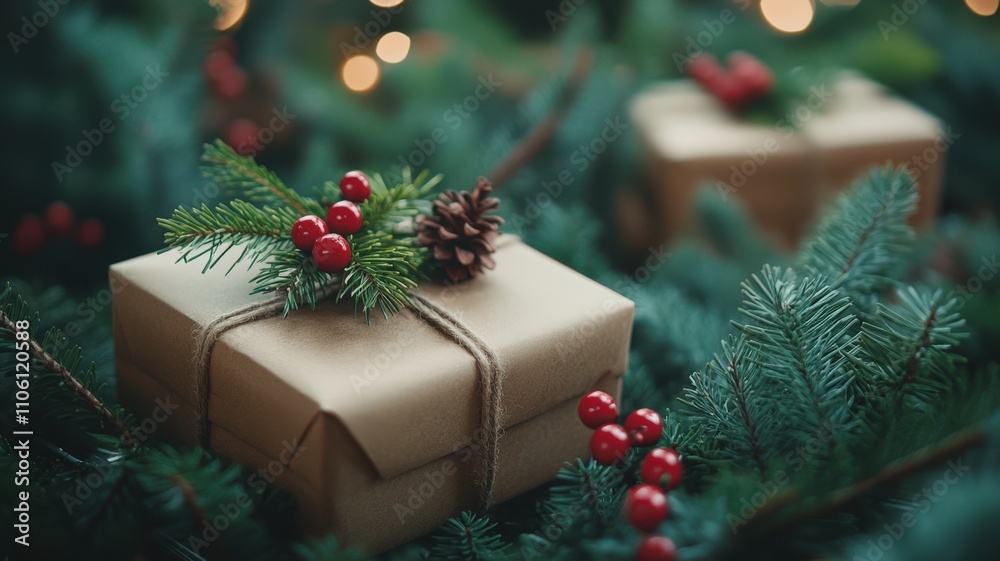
596	409
355	186
644	427
344	218
332	253
755	77
307	230
729	91
609	444
645	507
29	235
91	233
704	67
59	219
241	135
662	466
656	548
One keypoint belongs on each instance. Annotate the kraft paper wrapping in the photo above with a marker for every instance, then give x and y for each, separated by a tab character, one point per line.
375	414
784	178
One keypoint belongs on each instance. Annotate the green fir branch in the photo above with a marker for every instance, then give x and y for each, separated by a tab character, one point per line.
907	349
802	333
294	274
48	358
729	400
201	232
859	243
585	490
468	537
241	176
390	206
382	272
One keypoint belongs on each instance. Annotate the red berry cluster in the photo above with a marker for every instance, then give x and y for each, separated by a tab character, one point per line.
746	79
646	504
228	82
226	78
611	442
33	232
326	239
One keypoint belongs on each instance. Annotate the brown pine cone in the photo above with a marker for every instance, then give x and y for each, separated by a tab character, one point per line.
460	234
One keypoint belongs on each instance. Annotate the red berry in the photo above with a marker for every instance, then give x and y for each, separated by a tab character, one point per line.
704	67
609	444
344	218
230	83
644	427
29	235
59	219
307	230
217	63
662	466
755	77
355	186
91	233
332	253
241	135
645	507
596	409
656	548
729	91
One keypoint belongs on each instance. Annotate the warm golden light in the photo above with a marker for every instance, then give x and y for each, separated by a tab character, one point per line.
789	16
393	46
983	7
230	12
386	3
360	73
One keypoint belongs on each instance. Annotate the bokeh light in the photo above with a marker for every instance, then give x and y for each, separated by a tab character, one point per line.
393	47
360	73
230	12
983	7
789	16
386	3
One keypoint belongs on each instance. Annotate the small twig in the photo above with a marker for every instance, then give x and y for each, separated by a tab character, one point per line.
56	367
529	147
912	463
190	497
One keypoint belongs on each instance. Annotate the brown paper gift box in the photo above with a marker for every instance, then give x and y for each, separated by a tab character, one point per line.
374	428
783	177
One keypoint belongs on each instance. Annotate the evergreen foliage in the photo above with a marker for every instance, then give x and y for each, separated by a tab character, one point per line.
386	263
